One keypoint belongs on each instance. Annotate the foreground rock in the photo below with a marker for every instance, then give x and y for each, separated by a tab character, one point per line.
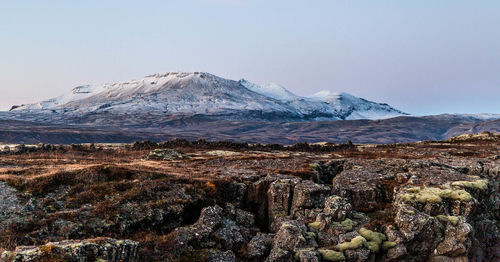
104	249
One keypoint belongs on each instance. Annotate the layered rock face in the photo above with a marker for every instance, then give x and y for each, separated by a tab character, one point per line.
412	202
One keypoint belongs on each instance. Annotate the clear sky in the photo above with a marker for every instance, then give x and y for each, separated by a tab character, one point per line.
421	56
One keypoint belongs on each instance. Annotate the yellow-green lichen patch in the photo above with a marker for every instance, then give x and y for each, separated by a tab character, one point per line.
331	255
355	243
413	190
7	256
348	224
372	235
372	246
375	239
388	245
481	184
302	239
434	194
280	215
299	252
456	194
310	235
314	165
314	225
431	195
287	225
453	219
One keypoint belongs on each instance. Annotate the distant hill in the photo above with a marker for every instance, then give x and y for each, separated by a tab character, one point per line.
394	130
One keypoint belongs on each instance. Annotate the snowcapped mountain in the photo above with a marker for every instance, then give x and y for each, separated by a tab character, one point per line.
204	94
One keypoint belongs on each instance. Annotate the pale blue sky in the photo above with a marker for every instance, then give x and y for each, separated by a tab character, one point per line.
423	57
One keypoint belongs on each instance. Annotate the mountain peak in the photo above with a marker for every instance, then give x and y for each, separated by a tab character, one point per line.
271	90
182	75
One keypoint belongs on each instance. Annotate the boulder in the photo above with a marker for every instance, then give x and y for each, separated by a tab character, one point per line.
421	232
456	240
216	229
258	248
291	237
280	255
308	199
280	196
396	253
220	256
336	207
366	189
228	236
307	255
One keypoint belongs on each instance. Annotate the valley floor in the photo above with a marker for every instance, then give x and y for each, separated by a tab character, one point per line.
203	201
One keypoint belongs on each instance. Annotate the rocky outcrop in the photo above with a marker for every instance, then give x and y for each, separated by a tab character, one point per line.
366	189
166	155
280	197
102	249
260	245
308	200
291	237
10	204
220	229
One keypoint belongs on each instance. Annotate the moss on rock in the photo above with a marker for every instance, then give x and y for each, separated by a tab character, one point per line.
434	195
331	255
355	243
388	245
314	225
481	184
348	224
452	219
375	239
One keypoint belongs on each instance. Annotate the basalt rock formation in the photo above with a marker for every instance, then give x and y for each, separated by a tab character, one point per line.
429	201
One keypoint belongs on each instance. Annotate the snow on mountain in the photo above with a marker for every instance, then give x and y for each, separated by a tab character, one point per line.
484	116
77	93
207	94
303	105
356	108
270	90
343	105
